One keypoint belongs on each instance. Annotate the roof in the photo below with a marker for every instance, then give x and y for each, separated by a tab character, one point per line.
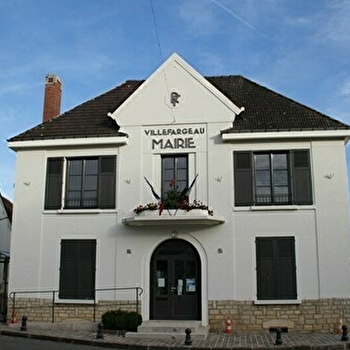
8	207
90	119
265	110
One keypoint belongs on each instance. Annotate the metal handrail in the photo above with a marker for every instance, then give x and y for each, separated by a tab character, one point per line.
12	296
138	293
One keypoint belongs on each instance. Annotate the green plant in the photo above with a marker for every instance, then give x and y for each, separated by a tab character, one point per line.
121	320
134	319
174	199
108	319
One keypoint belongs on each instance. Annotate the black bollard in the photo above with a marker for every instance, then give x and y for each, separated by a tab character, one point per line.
24	323
278	337
188	340
344	336
99	331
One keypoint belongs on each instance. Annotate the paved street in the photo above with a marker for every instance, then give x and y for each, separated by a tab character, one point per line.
15	343
38	338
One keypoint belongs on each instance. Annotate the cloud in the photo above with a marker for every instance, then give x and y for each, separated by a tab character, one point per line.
327	25
339	93
345	88
211	63
335	22
198	18
13	88
235	15
7	171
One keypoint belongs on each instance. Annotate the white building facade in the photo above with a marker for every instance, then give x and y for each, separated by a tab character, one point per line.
260	232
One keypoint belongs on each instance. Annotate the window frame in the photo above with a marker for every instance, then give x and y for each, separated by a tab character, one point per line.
165	187
272	185
298	174
82	177
58	179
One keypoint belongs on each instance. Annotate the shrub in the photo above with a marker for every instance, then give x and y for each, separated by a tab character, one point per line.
108	319
134	320
121	320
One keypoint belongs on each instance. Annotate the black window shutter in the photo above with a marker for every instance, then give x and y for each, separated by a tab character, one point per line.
77	269
265	263
53	190
107	181
276	268
243	178
69	270
285	268
87	269
301	177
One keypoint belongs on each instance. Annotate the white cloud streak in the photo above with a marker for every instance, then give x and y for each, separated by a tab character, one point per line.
335	21
237	17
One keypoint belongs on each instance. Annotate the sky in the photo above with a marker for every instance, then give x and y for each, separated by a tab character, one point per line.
300	49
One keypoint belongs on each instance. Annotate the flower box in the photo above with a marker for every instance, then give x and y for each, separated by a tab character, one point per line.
173	217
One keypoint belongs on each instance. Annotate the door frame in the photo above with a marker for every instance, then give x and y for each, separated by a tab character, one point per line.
202	291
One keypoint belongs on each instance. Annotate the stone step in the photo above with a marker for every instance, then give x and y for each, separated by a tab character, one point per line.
169	330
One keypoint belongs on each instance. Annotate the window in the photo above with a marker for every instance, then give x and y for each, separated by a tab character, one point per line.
82	181
276	269
272	178
174	173
90	183
77	269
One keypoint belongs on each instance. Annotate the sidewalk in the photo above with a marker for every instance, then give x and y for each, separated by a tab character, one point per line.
238	341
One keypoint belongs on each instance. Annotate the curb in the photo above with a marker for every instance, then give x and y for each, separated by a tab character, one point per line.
135	346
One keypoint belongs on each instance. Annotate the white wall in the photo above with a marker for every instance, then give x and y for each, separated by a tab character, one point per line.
321	230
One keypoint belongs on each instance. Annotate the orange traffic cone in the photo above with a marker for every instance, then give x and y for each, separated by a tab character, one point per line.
339	331
228	329
14	316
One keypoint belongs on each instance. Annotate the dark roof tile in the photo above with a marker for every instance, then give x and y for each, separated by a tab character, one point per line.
265	110
89	119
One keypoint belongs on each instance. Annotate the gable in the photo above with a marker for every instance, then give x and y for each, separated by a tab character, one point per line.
214	99
176	93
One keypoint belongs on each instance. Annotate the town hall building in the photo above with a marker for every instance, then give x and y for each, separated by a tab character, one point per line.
189	198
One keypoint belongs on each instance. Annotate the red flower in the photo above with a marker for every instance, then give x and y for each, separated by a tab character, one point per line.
160	208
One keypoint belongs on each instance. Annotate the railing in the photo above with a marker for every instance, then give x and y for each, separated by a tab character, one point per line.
53	293
272	199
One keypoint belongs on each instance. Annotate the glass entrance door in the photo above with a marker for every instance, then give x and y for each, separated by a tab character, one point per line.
175	282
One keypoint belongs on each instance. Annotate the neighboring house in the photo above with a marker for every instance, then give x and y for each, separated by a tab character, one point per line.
273	248
5	237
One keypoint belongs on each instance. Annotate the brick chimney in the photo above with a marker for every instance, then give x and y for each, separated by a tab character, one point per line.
52	97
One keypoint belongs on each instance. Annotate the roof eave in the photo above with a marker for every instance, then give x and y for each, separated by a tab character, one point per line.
69	142
300	134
